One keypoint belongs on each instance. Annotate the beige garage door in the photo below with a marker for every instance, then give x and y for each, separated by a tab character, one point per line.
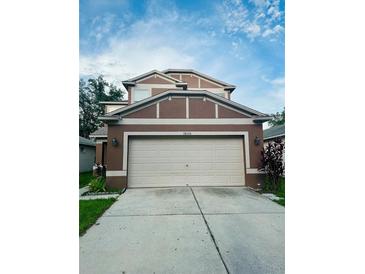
181	161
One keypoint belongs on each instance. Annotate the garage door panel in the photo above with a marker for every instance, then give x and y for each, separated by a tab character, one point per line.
177	161
181	180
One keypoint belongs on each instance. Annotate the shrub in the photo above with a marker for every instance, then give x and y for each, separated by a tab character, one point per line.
281	188
97	184
272	164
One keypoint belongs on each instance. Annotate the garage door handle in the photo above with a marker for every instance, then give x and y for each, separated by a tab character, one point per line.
186	165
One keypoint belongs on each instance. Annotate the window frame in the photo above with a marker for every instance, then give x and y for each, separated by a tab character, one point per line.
136	90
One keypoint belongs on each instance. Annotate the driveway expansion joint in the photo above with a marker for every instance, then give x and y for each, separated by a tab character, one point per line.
210	232
153	215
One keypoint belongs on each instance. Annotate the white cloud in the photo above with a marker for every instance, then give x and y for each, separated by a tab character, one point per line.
262	19
130	57
274	31
101	26
148	45
167	39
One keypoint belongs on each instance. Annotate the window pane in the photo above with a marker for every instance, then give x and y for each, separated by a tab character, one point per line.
140	94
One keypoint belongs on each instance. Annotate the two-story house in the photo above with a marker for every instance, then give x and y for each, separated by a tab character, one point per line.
179	127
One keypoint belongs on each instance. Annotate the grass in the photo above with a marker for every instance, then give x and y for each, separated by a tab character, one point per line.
85	178
281	202
90	211
280	192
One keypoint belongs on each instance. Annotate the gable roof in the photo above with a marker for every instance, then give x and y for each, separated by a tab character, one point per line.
116	114
100	132
86	142
226	85
273	132
132	81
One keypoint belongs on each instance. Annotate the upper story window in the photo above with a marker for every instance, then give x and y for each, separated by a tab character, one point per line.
140	94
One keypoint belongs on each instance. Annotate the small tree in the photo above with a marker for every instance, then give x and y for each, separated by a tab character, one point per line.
273	163
279	119
91	93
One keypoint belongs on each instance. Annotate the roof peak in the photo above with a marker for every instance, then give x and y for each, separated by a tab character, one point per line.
199	74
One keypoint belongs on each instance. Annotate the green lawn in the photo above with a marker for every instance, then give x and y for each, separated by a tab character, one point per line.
90	211
85	178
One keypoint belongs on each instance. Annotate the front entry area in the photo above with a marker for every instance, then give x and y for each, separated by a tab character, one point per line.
160	161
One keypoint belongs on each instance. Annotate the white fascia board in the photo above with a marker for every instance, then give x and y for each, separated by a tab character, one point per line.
98	136
213	121
170	86
188	93
109	118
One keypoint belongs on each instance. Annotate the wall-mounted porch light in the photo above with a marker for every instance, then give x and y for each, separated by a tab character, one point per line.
114	142
257	141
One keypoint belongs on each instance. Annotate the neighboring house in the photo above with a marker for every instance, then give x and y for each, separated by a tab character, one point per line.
86	154
180	128
274	133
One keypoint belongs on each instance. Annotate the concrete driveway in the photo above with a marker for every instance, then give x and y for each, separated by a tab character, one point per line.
186	230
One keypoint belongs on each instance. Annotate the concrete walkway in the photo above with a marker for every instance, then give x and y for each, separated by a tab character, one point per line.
83	190
100	196
187	230
95	197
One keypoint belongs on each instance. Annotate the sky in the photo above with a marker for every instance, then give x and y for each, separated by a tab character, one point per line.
237	41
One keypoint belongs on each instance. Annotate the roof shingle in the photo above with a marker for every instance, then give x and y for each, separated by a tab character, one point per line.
86	142
100	131
275	131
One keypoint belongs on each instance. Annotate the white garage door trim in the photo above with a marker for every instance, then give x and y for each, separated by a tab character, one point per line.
156	161
185	133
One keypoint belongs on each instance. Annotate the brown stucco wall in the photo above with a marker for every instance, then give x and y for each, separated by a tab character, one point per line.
176	76
105	149
206	84
191	80
255	181
148	112
198	108
227	113
115	157
156	91
118	182
99	153
153	80
174	108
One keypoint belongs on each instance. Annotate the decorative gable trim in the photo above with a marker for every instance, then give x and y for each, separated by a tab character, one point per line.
248	112
202	76
155	75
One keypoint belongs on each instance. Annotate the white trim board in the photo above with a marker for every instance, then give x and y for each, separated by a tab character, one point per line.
115	173
155	75
228	107
213	121
253	171
155	86
98	136
185	133
187	109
